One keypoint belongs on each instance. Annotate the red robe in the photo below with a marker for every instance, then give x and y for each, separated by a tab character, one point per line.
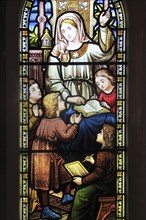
110	99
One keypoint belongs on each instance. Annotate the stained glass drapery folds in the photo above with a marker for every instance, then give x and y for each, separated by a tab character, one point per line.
37	39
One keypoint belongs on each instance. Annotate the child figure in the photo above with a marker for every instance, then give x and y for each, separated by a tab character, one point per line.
47	166
35	111
105	82
101	181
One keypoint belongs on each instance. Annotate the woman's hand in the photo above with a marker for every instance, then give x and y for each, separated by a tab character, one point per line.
77	180
59	50
76	100
104	17
62	47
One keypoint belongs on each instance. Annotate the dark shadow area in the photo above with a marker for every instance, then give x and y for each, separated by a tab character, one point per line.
2	110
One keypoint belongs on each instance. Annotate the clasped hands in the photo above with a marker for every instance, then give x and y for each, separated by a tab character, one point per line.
37	111
75	118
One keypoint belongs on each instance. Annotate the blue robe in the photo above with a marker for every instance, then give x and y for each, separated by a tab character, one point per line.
85	141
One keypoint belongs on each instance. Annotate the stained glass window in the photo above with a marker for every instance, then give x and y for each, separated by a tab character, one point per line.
73	69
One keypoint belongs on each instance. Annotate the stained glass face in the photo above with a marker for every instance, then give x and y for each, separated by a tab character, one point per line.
73	110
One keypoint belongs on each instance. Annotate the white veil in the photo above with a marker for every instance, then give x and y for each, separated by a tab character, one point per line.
78	20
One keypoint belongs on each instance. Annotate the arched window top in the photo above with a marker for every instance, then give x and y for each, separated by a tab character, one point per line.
30	10
38	20
80	67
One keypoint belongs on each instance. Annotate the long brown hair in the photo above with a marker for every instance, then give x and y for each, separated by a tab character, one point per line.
108	136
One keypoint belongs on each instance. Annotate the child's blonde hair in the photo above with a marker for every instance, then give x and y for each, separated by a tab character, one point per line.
106	73
50	105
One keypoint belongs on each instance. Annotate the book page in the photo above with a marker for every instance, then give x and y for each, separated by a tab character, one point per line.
91	107
95	104
87	108
76	168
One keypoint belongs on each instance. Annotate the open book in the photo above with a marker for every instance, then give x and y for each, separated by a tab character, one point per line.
92	107
76	168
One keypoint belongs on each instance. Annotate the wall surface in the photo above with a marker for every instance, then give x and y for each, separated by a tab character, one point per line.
9	109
